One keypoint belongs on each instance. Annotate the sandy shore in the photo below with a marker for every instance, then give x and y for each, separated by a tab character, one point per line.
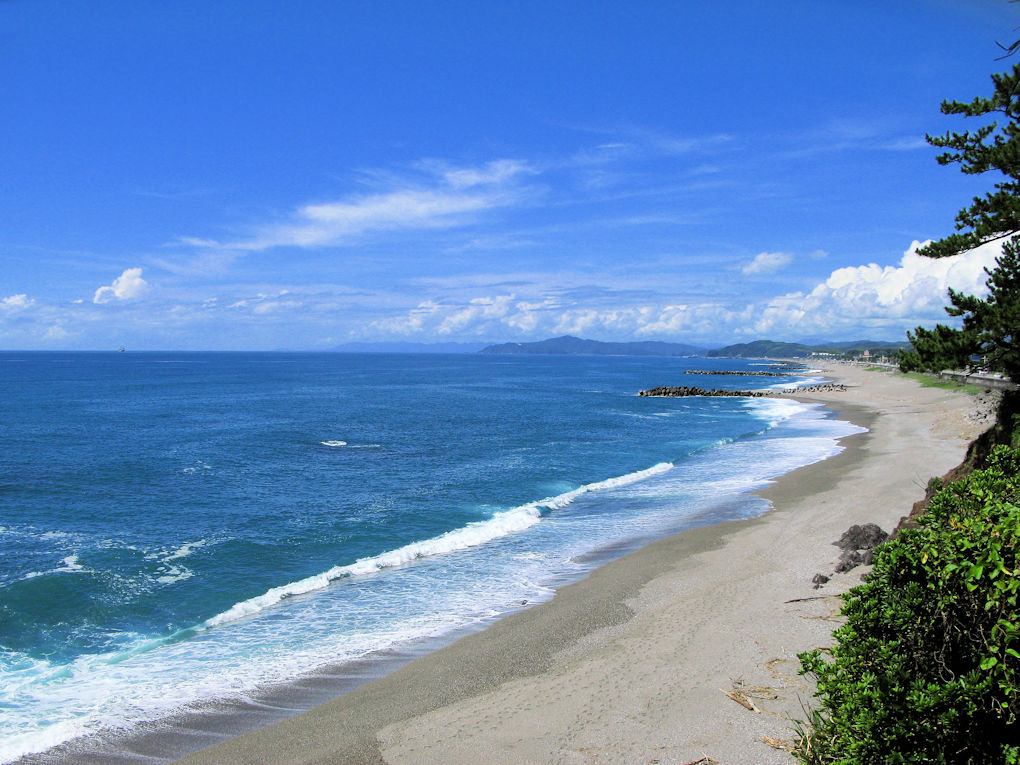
630	664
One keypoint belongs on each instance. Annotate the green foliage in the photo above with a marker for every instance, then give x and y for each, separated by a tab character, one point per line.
997	213
992	325
927	381
937	349
926	668
989	325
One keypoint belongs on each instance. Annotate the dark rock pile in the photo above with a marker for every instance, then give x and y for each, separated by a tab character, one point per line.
858	544
679	391
721	372
823	388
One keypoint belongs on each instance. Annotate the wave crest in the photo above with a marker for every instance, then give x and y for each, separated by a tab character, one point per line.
471	535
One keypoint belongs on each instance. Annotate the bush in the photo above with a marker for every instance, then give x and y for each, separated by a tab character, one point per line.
926	667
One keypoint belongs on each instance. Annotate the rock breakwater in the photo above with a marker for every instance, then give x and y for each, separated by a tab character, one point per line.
680	391
741	374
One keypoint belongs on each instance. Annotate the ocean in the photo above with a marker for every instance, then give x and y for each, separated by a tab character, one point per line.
189	531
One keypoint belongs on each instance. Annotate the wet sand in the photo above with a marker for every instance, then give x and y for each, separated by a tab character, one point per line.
631	664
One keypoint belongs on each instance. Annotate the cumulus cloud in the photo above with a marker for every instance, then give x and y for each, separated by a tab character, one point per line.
767	263
16	302
871	300
917	285
507	315
128	286
914	291
479	310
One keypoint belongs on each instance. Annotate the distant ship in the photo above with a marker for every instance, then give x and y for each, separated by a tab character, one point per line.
121	349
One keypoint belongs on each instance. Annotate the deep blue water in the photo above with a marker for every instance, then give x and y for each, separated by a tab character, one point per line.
177	528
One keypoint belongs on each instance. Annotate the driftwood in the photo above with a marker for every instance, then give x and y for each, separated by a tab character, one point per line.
814	597
741	699
777	743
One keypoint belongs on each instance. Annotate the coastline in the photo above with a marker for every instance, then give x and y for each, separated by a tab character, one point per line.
632	663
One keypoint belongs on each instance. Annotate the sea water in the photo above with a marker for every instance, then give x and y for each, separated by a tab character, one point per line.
186	529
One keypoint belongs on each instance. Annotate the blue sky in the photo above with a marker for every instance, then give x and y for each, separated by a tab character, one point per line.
263	175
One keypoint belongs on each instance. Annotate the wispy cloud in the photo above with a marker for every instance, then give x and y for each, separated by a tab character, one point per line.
767	263
840	135
905	144
185	194
453	197
630	138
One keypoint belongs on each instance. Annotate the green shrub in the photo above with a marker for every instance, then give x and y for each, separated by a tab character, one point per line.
926	667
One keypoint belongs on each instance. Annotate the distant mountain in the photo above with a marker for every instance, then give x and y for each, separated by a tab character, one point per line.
575	346
773	349
762	349
409	348
882	345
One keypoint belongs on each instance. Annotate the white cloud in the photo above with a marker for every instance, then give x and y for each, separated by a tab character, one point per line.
450	198
56	332
916	285
16	302
323	224
495	172
481	309
506	315
909	143
127	286
869	300
767	263
913	291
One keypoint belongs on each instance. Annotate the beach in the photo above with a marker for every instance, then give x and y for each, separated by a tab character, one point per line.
640	662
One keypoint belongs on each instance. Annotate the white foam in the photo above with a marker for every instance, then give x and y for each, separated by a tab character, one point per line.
774	410
174	574
333	443
54	535
472	535
37	741
69	565
185	550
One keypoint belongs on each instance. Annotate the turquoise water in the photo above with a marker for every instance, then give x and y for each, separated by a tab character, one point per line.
177	529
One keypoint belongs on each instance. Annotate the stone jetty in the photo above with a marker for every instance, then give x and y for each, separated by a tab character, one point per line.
742	374
680	391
